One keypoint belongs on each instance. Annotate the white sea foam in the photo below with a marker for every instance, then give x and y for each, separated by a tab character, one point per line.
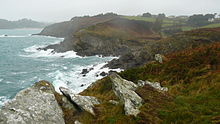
3	100
1	79
76	81
35	53
14	36
9	82
18	73
47	37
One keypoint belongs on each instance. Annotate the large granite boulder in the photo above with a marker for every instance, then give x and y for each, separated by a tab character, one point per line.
125	90
81	102
34	105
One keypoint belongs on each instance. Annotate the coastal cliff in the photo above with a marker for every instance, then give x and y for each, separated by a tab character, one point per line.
134	41
181	87
174	79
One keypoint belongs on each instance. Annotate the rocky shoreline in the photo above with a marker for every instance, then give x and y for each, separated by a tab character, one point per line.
147	94
40	102
134	41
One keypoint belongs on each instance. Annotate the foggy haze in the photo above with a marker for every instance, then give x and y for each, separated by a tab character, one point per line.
60	10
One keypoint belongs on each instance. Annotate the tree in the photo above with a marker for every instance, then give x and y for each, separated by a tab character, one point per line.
147	14
161	15
200	19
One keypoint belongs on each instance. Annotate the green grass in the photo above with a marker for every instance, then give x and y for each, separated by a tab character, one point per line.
166	22
187	28
193	80
212	25
147	19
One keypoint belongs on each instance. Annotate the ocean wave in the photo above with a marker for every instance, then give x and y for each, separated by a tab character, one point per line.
74	80
1	79
3	100
47	37
14	36
18	73
34	52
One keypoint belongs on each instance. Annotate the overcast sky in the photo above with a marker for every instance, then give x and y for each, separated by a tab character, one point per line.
60	10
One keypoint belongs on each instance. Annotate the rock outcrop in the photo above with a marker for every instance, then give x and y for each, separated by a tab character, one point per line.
77	122
159	58
81	102
125	90
155	85
34	105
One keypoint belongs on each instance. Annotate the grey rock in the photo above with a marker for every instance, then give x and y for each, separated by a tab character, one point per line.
159	58
103	74
77	122
125	90
114	102
34	105
155	85
84	71
83	102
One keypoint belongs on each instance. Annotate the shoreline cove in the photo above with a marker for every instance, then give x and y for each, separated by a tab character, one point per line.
25	64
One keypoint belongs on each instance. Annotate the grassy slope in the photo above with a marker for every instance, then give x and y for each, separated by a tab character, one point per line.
170	22
166	22
194	81
212	25
193	78
121	28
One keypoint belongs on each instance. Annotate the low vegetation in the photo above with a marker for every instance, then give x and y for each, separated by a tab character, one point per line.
180	23
192	76
193	79
120	28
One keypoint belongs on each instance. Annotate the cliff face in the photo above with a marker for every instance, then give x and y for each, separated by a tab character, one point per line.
117	37
134	41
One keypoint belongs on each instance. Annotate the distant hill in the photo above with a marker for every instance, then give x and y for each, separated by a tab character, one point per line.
68	28
23	23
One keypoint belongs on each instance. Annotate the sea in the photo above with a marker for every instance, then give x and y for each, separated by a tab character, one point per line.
22	64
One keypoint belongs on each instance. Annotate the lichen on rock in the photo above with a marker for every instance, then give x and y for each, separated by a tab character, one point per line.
155	85
81	102
34	105
125	90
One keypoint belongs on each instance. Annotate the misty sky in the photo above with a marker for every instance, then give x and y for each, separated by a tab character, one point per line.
60	10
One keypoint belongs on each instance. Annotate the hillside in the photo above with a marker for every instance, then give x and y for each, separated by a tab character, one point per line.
134	40
179	87
23	23
192	77
174	43
113	37
68	28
